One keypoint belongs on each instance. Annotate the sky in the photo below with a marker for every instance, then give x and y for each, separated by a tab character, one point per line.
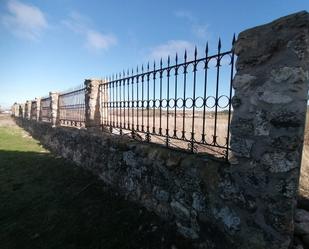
55	45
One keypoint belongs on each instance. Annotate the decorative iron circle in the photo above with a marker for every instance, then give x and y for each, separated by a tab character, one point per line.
189	102
164	103
152	103
199	102
179	102
157	103
223	101
210	102
171	103
144	103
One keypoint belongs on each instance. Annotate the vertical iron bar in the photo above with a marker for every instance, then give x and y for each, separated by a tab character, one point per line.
128	103
124	99
148	77
184	95
143	127
117	80
193	104
217	92
205	93
120	105
167	101
132	102
137	102
154	99
175	110
161	76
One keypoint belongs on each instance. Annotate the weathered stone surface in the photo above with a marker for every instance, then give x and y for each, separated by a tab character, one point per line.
229	218
92	104
242	146
301	228
278	162
271	97
271	86
243	81
301	215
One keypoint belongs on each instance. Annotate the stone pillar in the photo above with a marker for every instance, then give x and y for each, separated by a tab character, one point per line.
38	109
20	111
23	110
267	128
92	104
54	97
28	109
14	110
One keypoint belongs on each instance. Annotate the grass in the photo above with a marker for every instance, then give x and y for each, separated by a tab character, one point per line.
47	202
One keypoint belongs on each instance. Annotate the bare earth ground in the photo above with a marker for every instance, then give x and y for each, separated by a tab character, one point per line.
47	202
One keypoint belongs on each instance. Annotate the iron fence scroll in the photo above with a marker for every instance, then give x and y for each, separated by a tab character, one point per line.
183	104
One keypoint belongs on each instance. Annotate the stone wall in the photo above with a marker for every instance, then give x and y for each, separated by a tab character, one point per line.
248	202
181	187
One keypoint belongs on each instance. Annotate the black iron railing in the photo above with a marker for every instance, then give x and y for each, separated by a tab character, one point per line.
45	109
72	107
182	104
33	110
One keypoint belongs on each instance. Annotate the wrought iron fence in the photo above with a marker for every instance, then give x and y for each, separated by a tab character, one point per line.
182	104
33	110
45	109
72	107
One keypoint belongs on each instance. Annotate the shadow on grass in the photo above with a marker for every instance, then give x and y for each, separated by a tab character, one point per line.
47	202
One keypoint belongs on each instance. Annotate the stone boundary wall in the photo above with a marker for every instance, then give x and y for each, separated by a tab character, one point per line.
248	202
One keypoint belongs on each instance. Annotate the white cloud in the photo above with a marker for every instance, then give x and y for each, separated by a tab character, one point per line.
94	40
185	14
23	20
197	29
170	48
97	40
201	31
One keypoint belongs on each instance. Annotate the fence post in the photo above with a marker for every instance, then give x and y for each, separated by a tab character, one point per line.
23	110
28	109
267	128
54	103
38	109
92	104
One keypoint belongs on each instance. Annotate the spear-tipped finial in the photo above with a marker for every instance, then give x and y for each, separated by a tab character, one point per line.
185	57
161	63
195	52
219	44
176	58
148	66
154	65
234	39
137	69
168	60
132	71
142	68
206	49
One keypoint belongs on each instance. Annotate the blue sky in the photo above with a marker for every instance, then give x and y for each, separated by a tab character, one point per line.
55	45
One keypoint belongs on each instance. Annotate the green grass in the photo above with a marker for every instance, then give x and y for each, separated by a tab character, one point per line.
47	202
